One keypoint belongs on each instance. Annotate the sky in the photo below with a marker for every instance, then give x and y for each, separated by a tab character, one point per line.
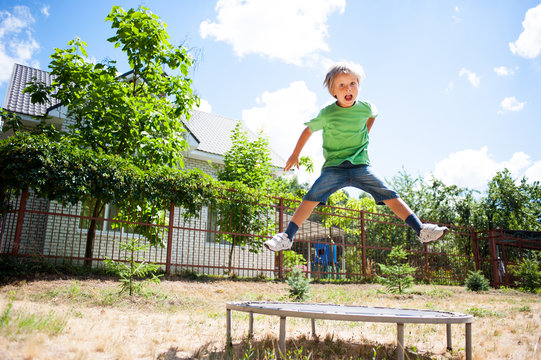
457	83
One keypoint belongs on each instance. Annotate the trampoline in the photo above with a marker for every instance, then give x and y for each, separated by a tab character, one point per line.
351	313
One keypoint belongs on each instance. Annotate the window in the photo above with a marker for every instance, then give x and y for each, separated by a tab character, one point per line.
107	219
213	228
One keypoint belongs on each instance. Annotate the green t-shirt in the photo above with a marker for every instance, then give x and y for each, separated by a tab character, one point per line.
345	134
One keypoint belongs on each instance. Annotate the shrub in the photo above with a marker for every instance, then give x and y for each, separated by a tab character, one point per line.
398	272
528	274
298	283
134	268
476	281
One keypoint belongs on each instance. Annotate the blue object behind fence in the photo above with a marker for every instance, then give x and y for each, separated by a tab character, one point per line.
324	256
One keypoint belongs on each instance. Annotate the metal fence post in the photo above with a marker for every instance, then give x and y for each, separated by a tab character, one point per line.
20	220
427	265
494	259
170	239
363	245
280	255
475	245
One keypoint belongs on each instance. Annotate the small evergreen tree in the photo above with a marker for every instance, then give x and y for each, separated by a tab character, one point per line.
134	269
398	273
299	284
476	281
528	274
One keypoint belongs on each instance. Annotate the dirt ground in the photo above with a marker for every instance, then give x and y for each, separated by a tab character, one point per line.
87	319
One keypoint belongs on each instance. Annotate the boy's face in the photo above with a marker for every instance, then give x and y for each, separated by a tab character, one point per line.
345	89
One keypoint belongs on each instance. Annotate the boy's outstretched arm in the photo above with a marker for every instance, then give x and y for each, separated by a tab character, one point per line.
294	158
369	123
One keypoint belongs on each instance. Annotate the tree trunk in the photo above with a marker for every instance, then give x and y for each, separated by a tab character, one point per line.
91	235
231	254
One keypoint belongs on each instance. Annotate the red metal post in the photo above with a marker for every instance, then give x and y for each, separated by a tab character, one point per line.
427	272
363	245
280	255
170	239
494	259
19	226
475	249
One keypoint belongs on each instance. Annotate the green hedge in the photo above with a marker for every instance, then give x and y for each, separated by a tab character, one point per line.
62	172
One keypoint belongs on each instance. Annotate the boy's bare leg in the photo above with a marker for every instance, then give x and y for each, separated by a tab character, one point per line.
284	240
427	233
303	211
399	207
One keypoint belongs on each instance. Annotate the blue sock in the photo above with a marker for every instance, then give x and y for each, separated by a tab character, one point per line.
414	223
291	230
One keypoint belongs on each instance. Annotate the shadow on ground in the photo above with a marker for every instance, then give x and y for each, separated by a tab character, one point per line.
301	348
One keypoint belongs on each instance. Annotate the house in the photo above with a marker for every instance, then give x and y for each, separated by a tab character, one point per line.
208	136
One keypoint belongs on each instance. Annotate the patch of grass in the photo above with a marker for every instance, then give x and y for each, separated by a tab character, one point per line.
6	314
50	323
13	323
72	293
480	312
438	292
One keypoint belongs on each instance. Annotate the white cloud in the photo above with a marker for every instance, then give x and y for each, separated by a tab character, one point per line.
455	16
512	104
505	71
528	44
45	10
204	106
281	116
471	76
475	168
293	31
533	173
17	45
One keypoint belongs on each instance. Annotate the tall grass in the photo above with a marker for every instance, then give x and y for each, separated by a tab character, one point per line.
14	323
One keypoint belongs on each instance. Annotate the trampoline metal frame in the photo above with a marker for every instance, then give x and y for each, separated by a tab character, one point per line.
338	313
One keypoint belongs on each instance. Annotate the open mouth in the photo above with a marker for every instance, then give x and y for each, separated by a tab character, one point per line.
348	97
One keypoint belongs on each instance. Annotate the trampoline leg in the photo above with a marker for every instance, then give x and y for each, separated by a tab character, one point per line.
228	340
251	325
282	342
468	342
449	338
313	327
400	344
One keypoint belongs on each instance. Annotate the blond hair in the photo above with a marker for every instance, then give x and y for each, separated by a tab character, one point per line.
343	68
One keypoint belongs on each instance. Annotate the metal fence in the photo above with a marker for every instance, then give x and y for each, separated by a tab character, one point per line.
337	243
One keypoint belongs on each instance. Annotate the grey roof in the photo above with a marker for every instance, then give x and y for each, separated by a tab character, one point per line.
213	132
18	102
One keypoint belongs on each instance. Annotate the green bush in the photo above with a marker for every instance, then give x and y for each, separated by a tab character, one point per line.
528	274
134	268
398	272
476	281
298	283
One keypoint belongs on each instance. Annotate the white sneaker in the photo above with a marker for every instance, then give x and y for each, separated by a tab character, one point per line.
431	232
278	242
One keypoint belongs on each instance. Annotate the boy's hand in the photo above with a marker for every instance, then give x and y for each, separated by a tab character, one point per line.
292	161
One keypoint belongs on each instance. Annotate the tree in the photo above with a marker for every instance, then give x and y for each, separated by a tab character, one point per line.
136	116
397	271
510	205
248	163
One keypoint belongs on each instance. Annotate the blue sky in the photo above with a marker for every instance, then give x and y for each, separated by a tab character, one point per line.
457	83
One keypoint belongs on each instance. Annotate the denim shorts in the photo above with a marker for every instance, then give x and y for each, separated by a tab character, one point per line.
334	178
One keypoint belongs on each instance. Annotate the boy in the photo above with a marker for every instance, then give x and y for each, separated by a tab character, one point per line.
345	125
